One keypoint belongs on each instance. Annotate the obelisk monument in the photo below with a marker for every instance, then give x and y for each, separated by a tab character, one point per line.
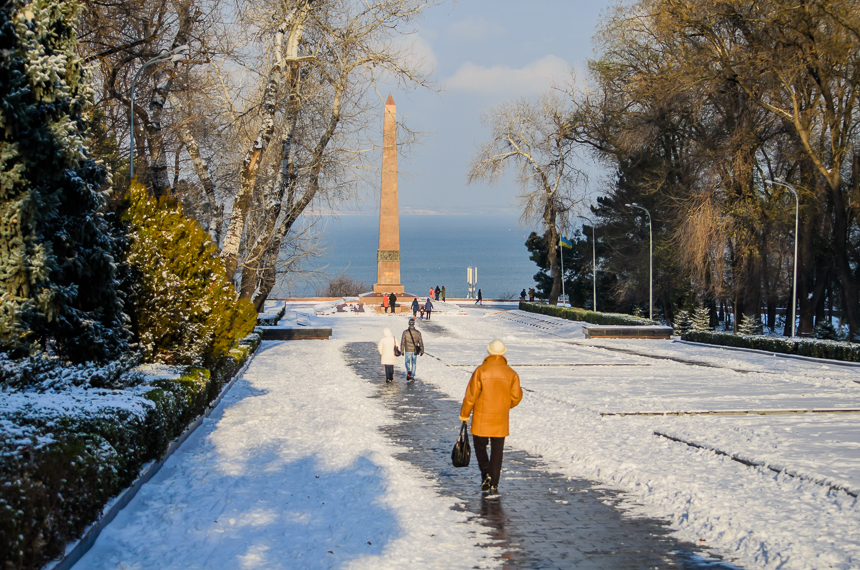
388	254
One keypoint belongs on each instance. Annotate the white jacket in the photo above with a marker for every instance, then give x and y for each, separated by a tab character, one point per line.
386	348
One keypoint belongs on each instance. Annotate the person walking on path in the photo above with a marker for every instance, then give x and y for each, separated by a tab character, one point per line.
428	308
385	301
415	308
492	391
392	302
438	293
432	292
444	295
412	346
387	356
480	299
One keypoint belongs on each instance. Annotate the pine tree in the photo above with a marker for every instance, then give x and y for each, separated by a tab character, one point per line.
701	319
184	309
57	273
749	326
682	321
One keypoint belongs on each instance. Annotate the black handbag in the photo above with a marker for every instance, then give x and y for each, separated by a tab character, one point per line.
462	452
396	351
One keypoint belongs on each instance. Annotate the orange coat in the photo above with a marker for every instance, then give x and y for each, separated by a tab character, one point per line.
493	390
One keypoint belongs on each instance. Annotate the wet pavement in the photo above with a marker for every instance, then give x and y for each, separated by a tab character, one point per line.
539	519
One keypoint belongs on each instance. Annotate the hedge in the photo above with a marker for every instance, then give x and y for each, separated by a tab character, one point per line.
834	350
269	319
576	314
59	468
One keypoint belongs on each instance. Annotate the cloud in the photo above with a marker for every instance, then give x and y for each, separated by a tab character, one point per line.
417	53
536	77
475	29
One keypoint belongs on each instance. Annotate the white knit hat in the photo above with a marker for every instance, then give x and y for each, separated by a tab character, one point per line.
497	348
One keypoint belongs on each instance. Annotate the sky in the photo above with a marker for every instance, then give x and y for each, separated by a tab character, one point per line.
484	52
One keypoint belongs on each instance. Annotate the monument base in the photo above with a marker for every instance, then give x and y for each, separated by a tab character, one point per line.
396	289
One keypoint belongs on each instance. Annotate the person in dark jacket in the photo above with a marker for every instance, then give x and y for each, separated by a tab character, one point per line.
428	308
523	295
415	308
412	346
493	390
480	299
392	302
438	292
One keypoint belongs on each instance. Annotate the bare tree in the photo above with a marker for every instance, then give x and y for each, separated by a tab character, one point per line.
315	100
533	139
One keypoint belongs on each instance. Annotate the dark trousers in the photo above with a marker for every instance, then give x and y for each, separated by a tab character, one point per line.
493	463
389	371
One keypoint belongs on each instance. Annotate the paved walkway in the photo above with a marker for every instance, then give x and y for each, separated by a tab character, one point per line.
540	519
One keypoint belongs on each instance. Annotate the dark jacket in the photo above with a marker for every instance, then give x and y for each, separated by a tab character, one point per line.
392	299
411	341
415	305
428	306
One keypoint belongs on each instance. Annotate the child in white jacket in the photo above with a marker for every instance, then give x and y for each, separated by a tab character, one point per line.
386	350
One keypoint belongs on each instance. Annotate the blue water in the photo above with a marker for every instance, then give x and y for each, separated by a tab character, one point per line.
434	250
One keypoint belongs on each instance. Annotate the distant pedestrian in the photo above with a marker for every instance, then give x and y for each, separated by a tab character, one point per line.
392	302
523	295
412	346
438	292
387	356
385	301
415	308
531	294
444	295
432	292
493	390
480	299
428	308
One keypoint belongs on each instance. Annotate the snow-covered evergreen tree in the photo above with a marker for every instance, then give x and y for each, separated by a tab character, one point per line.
749	326
701	319
57	274
682	321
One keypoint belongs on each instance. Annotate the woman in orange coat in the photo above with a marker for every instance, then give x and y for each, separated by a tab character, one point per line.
493	390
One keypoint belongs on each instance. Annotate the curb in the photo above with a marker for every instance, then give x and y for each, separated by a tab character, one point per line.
777	354
86	542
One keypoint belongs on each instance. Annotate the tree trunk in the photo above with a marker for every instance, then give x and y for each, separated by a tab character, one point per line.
254	157
268	271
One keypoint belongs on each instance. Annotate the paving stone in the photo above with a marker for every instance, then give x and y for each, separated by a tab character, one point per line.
540	519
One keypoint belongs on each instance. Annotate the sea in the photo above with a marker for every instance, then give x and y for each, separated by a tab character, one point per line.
434	250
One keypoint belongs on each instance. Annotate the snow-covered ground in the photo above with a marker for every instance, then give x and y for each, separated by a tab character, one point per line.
291	471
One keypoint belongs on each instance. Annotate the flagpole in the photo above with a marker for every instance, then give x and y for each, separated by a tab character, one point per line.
561	253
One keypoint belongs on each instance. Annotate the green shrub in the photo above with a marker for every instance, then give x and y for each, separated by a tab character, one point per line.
185	310
833	350
576	314
59	467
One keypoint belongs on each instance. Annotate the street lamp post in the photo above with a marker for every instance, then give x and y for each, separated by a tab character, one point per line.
650	260
593	263
785	184
173	55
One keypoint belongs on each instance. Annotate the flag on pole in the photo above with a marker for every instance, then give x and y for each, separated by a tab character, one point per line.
564	242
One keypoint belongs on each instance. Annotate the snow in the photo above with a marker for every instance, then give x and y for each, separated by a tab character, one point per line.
292	465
